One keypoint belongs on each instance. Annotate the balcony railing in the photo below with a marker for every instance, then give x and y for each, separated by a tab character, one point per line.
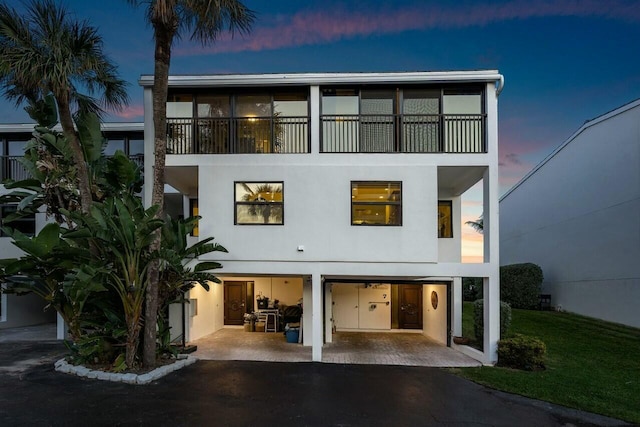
11	168
238	135
433	133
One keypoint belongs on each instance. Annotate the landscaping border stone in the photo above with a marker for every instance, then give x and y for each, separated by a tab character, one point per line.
127	378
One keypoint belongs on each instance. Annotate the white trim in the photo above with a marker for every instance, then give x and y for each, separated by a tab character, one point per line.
325	78
105	127
3	304
589	123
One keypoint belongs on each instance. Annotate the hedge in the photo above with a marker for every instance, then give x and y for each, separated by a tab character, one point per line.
522	352
520	285
478	318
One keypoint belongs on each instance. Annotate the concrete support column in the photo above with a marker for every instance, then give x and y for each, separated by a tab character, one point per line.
491	296
317	317
328	313
61	328
456	301
307	310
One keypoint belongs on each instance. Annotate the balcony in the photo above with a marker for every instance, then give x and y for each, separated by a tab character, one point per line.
274	134
11	168
434	133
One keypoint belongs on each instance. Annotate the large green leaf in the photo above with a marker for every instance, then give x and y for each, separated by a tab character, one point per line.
90	136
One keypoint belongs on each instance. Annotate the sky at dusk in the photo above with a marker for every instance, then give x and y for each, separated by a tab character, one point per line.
564	61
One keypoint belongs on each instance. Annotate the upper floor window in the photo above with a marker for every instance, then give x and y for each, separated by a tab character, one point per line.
445	222
259	203
25	224
376	203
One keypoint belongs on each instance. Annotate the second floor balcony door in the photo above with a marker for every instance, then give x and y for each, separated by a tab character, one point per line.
377	126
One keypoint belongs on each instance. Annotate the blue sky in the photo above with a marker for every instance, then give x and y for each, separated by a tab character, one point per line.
564	61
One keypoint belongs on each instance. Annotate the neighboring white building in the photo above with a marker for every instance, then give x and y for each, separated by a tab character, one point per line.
577	215
339	189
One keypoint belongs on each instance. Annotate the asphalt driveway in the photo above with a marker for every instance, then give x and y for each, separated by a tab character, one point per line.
228	393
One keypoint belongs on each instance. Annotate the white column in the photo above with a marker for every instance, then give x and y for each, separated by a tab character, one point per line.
328	313
307	310
491	297
315	118
149	146
61	327
456	296
317	317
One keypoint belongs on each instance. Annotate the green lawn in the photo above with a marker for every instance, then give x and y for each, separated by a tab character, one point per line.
591	365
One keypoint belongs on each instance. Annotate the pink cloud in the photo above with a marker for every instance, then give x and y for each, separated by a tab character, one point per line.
326	26
130	112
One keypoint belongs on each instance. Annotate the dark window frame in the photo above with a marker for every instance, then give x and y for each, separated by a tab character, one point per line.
237	203
449	233
397	203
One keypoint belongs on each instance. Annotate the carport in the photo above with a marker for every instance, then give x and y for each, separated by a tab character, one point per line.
370	348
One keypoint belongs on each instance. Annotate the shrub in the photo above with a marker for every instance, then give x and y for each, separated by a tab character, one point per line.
471	288
478	318
520	285
522	352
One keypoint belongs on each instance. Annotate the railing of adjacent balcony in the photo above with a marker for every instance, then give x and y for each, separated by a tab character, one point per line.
433	133
277	134
11	168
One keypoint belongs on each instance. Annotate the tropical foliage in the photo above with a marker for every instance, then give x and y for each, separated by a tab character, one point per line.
46	52
93	263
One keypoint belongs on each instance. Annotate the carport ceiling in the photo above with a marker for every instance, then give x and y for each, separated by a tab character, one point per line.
183	178
455	180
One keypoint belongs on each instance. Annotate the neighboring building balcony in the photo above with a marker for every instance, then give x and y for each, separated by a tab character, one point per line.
425	133
275	134
11	168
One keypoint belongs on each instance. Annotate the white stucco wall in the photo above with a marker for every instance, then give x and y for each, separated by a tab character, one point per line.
317	214
24	310
578	217
435	320
210	315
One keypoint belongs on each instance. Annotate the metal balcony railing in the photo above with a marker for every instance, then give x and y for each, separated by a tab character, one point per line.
433	133
238	135
11	168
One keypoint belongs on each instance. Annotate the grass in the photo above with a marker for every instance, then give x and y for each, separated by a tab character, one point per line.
592	365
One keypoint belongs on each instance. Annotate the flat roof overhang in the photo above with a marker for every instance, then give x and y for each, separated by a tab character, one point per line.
305	79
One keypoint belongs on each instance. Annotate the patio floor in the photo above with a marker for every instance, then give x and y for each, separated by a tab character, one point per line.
364	348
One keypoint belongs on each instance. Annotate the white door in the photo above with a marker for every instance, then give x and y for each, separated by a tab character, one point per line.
345	305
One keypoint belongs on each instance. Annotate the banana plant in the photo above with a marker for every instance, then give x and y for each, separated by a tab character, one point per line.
121	231
52	269
180	269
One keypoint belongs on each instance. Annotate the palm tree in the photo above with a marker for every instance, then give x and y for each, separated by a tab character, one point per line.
477	225
203	20
47	52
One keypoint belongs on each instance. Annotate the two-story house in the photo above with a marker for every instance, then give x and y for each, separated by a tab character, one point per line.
340	190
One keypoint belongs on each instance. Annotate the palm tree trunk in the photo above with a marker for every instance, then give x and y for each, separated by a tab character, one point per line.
66	121
163	39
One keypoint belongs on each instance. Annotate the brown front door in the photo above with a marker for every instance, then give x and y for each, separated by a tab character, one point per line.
410	299
235	295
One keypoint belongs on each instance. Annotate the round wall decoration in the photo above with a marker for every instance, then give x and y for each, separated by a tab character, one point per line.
434	299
